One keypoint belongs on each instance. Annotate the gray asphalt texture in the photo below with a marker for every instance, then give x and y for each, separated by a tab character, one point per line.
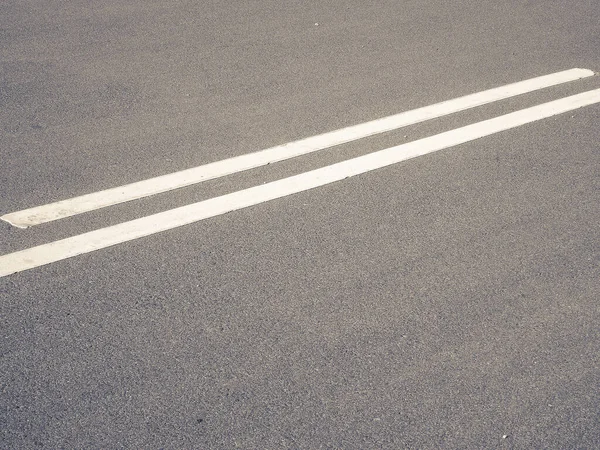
450	301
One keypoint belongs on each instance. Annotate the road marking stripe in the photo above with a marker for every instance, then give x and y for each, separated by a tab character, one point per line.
116	234
121	194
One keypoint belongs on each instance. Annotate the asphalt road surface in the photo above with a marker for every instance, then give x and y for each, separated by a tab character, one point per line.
446	301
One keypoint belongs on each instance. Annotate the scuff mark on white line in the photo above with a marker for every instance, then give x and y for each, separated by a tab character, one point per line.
14	224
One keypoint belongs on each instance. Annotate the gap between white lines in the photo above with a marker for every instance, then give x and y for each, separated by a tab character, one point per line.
89	202
126	231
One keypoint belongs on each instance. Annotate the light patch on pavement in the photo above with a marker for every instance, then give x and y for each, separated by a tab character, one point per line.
89	202
127	231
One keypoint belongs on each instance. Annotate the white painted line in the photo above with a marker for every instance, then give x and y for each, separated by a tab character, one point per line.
121	194
127	231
